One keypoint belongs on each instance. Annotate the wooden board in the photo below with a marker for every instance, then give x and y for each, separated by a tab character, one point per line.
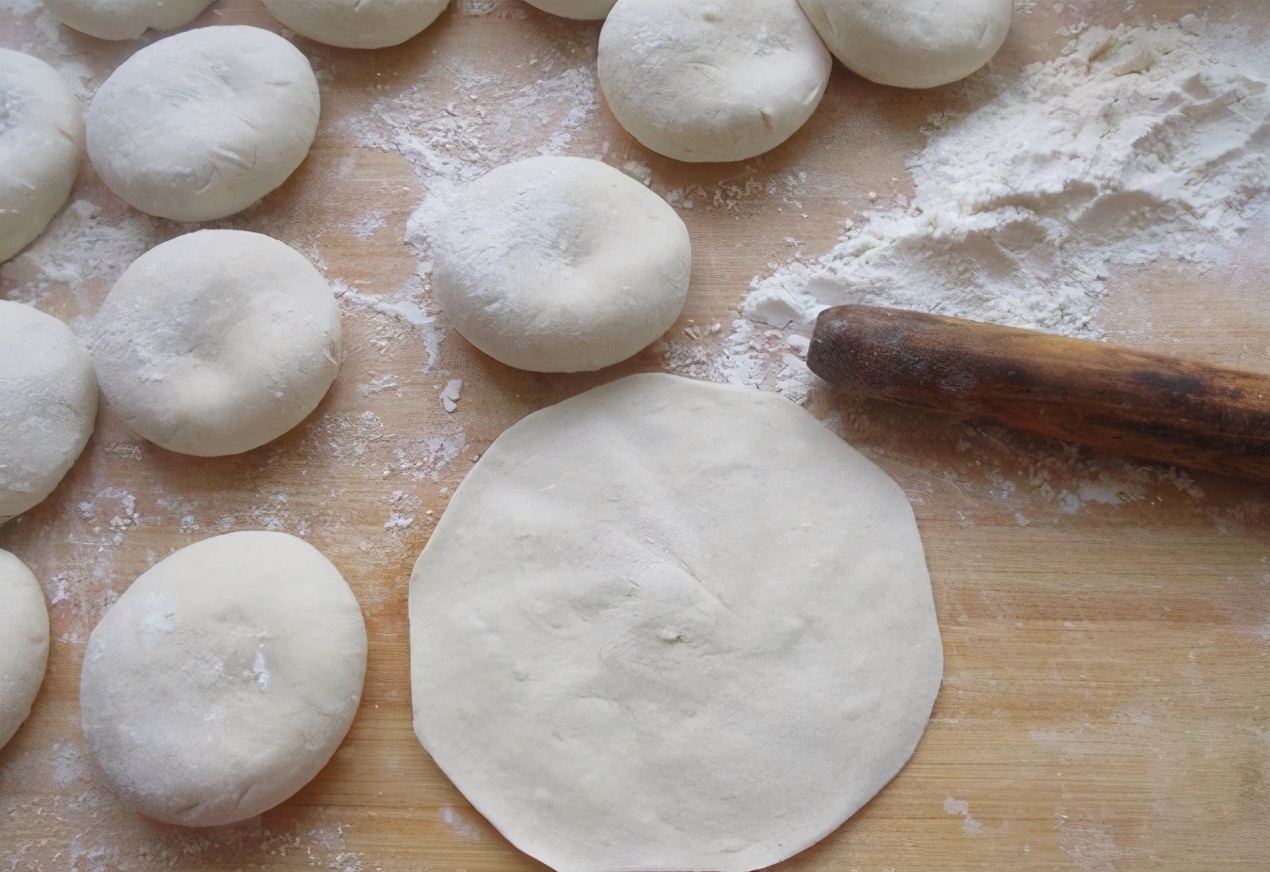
1106	702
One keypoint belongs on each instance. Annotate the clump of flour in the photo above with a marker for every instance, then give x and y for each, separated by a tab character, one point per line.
1135	144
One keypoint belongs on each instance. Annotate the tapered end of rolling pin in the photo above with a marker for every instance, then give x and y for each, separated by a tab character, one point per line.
1089	393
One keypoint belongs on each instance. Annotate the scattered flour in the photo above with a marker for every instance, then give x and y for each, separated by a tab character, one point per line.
969	825
480	122
459	824
409	304
1136	144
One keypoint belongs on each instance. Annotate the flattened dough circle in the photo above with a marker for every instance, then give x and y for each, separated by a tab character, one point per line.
671	625
721	80
41	143
48	405
217	342
556	264
224	678
201	125
24	643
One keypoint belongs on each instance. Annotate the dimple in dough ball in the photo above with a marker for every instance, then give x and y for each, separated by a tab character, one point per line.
912	43
201	125
48	405
586	10
671	625
224	678
217	342
556	264
41	142
24	643
357	23
722	80
124	19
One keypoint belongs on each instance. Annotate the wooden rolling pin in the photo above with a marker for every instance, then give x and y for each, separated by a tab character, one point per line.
1108	397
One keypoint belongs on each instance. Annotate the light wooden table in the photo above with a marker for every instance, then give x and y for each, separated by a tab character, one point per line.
1106	702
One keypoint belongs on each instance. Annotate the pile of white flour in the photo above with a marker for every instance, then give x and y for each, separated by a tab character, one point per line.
1136	144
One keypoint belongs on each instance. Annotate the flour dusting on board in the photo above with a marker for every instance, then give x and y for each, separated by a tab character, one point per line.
1137	144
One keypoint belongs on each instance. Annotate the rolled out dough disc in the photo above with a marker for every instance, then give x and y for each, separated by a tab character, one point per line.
669	625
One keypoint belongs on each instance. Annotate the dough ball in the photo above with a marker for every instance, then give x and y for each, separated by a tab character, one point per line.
201	125
557	264
912	43
41	141
722	80
24	643
224	678
672	625
587	10
217	342
48	405
357	23
124	19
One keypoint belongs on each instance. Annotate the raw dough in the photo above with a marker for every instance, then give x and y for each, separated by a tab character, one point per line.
41	142
125	19
24	643
217	342
711	81
357	23
670	625
557	264
201	125
48	405
912	43
224	678
587	10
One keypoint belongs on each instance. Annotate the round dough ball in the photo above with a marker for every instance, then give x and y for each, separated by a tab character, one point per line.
912	43
723	80
217	342
557	264
124	19
24	643
201	125
48	405
585	10
41	141
357	23
224	678
672	625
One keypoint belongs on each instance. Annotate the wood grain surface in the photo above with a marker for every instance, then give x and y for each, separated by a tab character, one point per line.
1106	623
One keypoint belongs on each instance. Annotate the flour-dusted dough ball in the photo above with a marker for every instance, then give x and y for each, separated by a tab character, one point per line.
41	142
24	643
224	678
912	43
357	23
669	625
201	125
586	10
124	19
711	80
556	264
217	342
48	405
